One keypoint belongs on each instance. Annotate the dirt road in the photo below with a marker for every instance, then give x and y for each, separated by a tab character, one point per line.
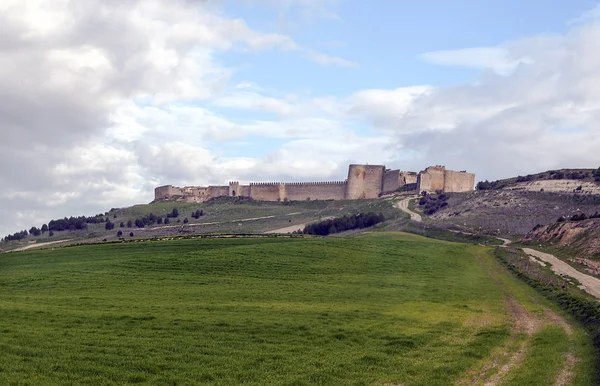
403	206
36	245
589	283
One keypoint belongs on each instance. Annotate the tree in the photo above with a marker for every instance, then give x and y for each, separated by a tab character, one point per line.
109	225
167	221
130	234
51	234
119	233
139	223
159	220
129	223
44	228
122	225
175	213
185	220
35	232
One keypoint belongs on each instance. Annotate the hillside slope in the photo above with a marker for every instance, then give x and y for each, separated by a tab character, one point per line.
582	237
220	215
509	212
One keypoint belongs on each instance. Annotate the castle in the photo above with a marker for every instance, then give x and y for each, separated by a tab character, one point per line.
364	181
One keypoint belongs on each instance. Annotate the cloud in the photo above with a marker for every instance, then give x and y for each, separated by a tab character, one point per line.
540	116
81	83
497	59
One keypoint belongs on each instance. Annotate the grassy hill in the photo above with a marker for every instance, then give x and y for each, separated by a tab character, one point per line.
380	308
221	215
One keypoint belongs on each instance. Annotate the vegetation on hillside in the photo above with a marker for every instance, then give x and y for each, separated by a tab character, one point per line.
431	203
345	223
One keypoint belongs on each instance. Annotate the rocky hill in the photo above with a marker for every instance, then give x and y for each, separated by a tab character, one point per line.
582	237
578	181
510	213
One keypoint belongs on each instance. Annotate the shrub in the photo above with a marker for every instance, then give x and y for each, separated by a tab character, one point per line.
341	224
130	234
185	220
119	233
122	225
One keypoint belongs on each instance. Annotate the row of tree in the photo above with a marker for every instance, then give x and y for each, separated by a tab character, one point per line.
345	223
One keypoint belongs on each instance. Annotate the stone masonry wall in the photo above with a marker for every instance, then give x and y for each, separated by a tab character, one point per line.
315	191
458	181
217	191
265	192
391	181
431	179
364	181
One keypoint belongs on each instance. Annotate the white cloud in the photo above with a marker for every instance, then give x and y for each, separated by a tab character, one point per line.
497	59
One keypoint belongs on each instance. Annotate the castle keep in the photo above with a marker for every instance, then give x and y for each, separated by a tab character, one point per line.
364	181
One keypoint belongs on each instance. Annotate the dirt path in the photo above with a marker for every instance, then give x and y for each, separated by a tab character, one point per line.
403	206
589	283
36	245
293	228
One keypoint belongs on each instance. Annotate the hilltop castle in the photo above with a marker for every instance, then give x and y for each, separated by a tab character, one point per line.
364	181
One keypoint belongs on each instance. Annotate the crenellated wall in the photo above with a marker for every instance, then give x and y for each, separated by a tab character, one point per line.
303	191
265	191
364	181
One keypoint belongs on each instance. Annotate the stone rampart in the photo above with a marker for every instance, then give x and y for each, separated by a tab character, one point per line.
334	190
265	191
364	181
217	191
458	181
391	181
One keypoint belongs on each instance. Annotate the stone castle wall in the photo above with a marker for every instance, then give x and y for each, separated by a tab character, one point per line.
391	181
458	181
335	190
265	191
436	178
364	181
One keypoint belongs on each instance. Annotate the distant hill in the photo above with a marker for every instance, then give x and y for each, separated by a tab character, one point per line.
584	181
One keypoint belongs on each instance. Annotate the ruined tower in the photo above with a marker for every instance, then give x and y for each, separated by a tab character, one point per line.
364	181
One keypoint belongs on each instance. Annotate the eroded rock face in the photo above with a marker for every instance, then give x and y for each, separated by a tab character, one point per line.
581	236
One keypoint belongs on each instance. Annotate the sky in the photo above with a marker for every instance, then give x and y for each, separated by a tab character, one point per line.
103	100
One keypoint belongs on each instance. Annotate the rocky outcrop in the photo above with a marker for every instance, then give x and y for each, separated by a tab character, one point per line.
582	237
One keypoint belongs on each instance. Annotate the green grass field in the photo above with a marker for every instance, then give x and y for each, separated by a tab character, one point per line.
380	308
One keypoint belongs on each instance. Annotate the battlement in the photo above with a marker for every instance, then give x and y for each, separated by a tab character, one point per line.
364	181
298	183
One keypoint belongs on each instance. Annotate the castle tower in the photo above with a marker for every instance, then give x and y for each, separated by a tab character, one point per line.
364	181
234	189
